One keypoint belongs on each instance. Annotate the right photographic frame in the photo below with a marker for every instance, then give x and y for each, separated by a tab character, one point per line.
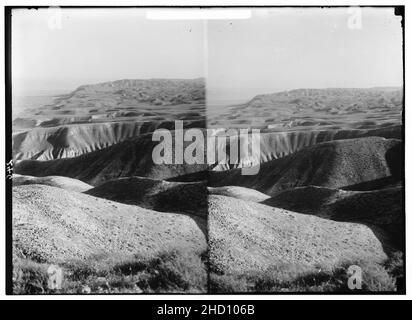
315	203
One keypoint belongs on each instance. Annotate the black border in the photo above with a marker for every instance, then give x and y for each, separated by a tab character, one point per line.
398	10
8	154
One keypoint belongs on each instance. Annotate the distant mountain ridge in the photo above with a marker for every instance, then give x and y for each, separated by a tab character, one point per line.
333	107
381	92
135	82
156	91
137	100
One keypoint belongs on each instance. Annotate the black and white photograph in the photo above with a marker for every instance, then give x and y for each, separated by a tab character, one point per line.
192	151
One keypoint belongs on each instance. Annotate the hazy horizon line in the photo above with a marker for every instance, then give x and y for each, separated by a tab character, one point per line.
265	91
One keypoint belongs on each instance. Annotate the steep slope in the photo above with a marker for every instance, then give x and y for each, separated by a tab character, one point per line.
121	159
269	236
131	157
310	199
53	181
334	164
73	140
274	145
70	141
382	208
158	195
55	225
239	193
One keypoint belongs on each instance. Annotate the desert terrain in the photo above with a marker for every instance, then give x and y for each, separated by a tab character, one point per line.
329	192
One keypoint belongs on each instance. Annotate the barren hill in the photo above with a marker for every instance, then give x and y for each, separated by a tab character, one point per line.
328	192
239	193
158	195
274	145
53	181
56	225
338	108
155	91
137	100
381	208
246	236
333	164
70	141
132	157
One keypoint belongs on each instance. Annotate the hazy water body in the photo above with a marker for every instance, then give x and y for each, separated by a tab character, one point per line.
22	106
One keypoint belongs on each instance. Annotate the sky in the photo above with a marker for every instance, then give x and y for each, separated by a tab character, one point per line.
96	45
272	50
285	48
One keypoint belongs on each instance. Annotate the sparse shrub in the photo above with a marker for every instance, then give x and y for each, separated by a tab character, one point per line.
177	271
29	277
173	271
131	267
395	267
78	270
375	278
294	278
227	284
